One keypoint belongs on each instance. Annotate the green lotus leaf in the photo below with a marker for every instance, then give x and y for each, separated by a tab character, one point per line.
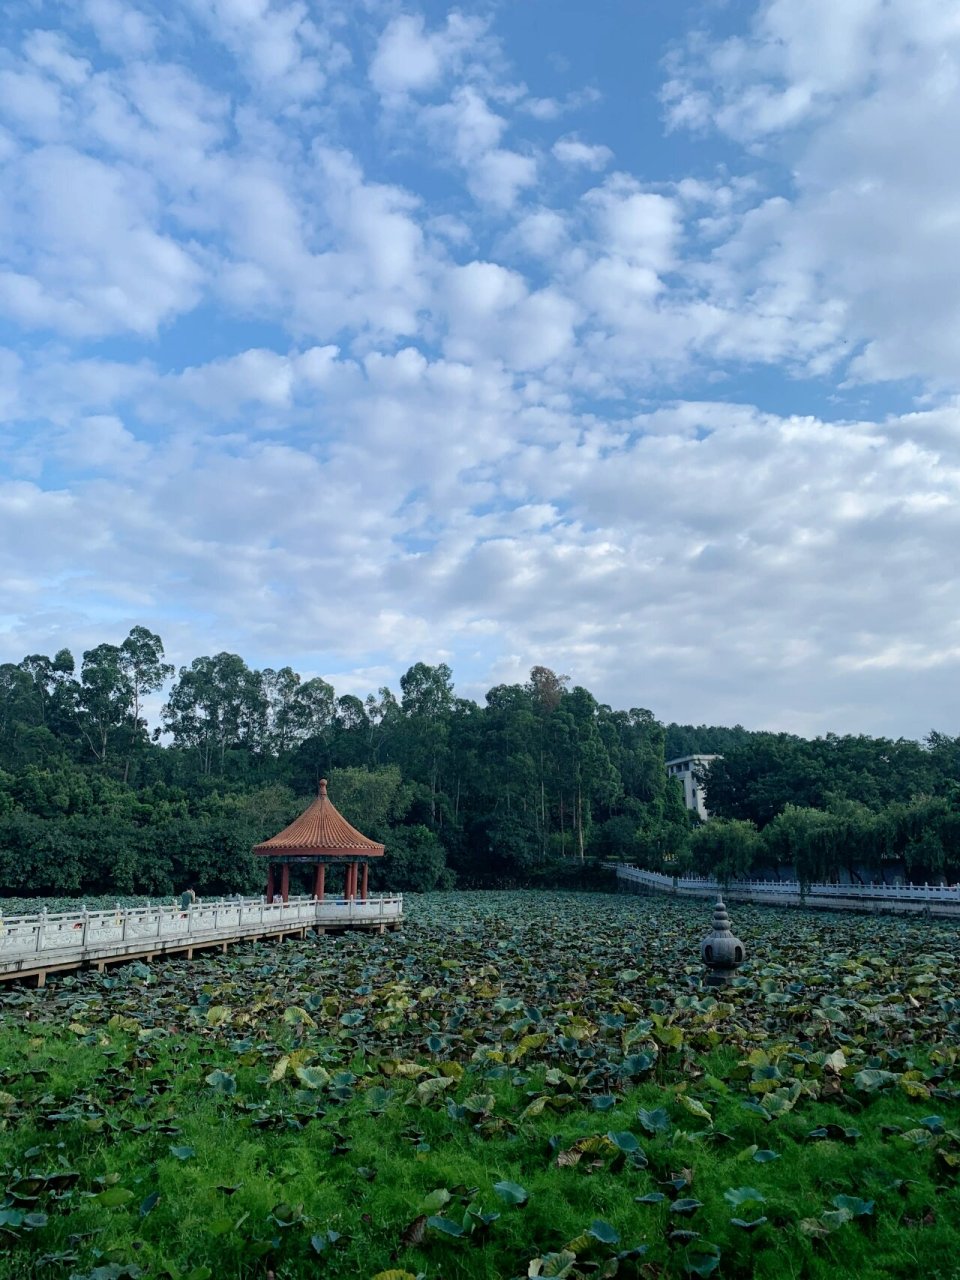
222	1082
738	1196
445	1226
113	1197
603	1232
657	1121
685	1206
435	1201
511	1193
854	1205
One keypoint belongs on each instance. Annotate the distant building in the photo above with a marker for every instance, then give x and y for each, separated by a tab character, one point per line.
685	769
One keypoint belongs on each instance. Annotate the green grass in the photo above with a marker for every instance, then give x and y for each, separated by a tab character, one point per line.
104	1078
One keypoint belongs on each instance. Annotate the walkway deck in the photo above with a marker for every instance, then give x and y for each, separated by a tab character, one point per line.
928	899
31	946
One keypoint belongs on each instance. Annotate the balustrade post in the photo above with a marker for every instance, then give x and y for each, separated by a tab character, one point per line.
123	924
86	924
41	924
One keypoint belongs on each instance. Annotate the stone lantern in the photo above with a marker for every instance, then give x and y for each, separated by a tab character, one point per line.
722	952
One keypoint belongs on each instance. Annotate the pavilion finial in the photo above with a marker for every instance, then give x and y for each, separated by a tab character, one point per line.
322	788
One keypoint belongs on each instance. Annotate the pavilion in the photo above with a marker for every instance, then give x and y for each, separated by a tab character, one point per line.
320	837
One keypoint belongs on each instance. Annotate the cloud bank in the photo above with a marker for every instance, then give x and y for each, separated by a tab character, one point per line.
332	337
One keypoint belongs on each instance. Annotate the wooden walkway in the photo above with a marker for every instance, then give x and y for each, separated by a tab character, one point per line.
31	946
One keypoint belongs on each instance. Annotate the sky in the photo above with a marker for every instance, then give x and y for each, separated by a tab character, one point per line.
619	337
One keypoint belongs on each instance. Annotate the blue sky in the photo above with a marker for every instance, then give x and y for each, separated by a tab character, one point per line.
616	337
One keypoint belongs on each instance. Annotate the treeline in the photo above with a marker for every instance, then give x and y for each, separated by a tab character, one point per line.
533	786
855	806
536	783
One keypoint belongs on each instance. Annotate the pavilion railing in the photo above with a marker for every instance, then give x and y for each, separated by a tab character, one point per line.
79	931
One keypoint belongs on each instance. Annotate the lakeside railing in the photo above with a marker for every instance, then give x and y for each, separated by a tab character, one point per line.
916	893
62	932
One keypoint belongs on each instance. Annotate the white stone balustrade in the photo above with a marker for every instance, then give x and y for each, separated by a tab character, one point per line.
937	899
68	939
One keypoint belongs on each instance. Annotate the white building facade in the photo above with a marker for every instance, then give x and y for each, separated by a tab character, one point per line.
685	769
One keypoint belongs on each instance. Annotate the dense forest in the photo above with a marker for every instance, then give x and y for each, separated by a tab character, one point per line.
534	786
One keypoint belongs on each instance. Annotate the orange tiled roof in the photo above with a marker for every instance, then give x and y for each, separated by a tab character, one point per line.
320	829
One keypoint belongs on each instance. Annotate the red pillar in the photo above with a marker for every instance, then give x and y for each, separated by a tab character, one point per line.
318	882
352	880
285	882
270	885
363	887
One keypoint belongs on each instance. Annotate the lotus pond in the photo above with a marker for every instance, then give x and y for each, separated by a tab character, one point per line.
516	1085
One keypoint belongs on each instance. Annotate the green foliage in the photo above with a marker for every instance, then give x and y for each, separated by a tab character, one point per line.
725	847
506	793
535	787
414	860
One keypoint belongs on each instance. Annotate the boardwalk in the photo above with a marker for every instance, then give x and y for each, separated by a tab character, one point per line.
929	899
31	946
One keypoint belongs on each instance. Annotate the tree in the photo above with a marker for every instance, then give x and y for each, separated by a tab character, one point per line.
805	840
725	849
279	691
507	846
383	717
596	783
23	736
49	705
426	704
141	661
414	859
546	689
215	705
104	698
351	731
370	799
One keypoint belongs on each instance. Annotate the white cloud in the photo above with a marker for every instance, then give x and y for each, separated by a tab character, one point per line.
31	102
554	108
47	50
605	548
93	262
411	59
278	45
102	444
492	314
471	131
286	319
10	369
121	28
542	232
406	58
861	101
640	226
572	151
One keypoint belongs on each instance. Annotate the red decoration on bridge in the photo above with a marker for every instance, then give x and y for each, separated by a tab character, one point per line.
320	837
